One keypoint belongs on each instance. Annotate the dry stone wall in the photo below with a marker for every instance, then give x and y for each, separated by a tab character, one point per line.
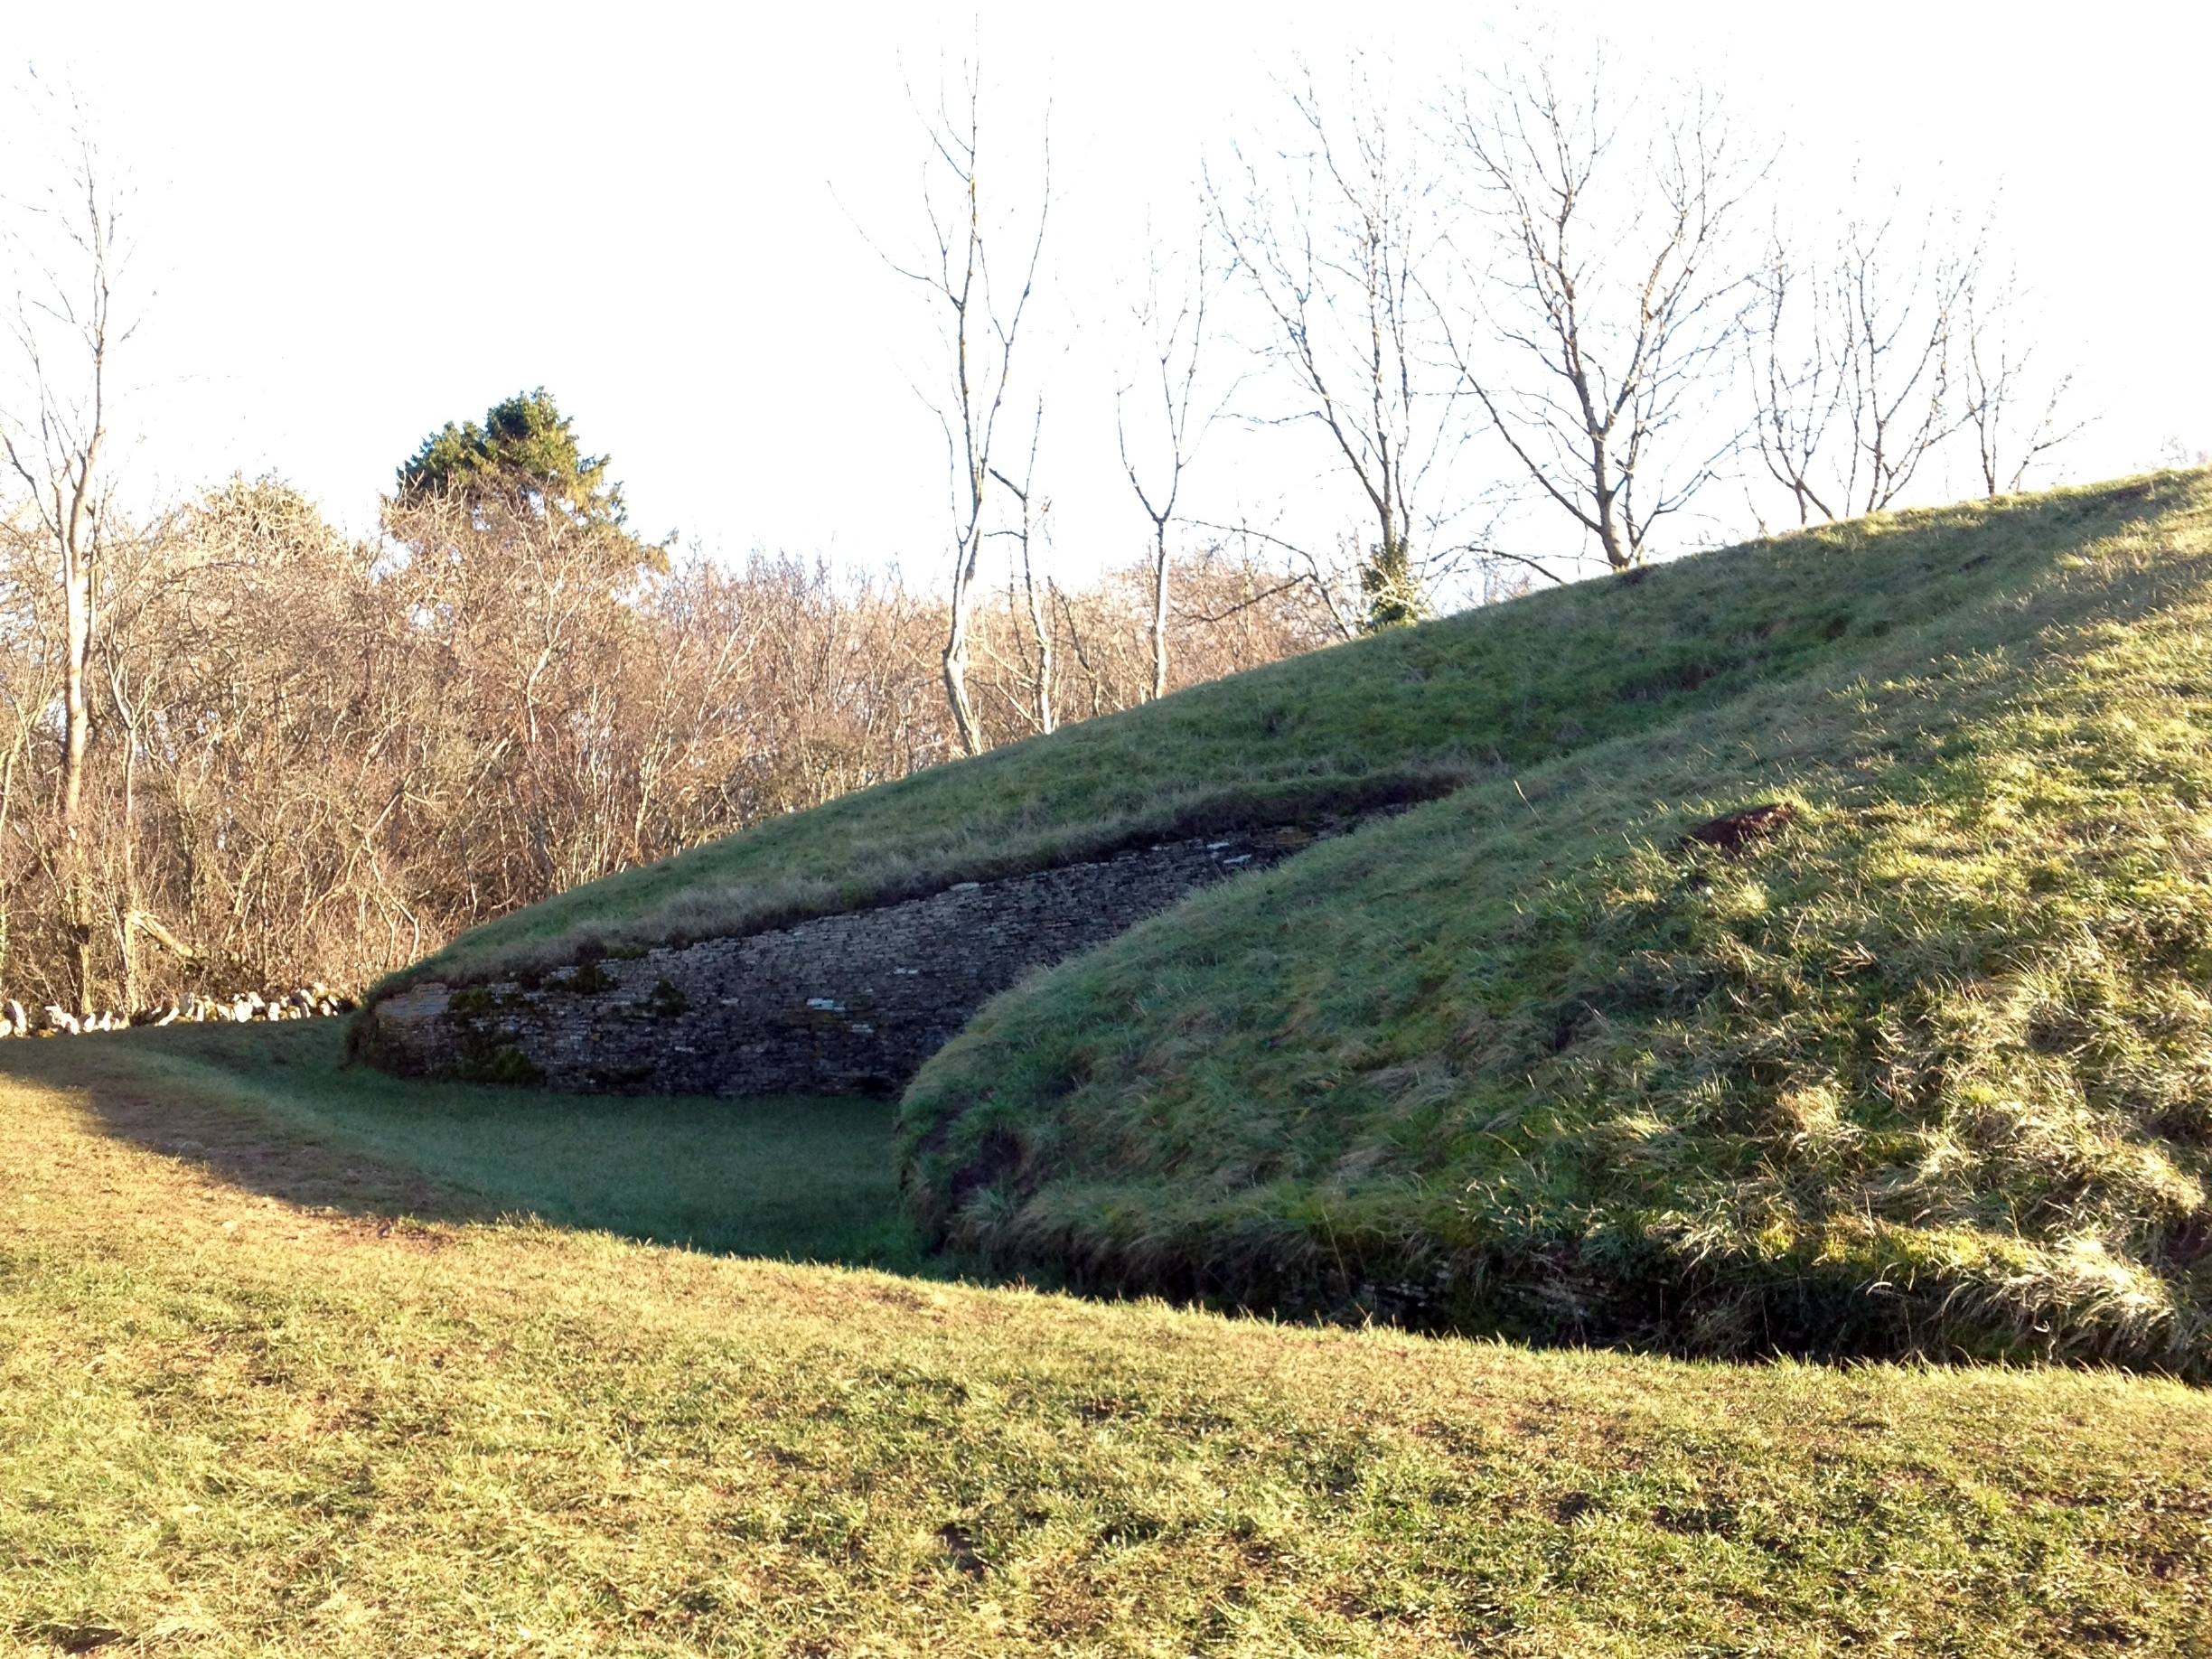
839	1005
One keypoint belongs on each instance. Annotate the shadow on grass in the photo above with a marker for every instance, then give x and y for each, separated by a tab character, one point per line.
276	1110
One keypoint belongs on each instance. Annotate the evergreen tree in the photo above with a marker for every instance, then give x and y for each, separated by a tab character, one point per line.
515	478
1387	583
525	455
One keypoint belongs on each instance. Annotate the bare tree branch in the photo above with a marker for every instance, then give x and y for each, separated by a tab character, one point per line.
983	327
1338	250
1590	374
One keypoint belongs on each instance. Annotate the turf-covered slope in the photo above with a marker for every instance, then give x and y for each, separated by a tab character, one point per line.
1928	1070
1402	716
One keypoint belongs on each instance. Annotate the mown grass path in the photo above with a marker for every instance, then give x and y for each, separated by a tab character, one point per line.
232	1422
798	1179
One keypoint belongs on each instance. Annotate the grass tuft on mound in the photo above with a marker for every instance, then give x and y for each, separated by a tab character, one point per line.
1926	1069
1403	716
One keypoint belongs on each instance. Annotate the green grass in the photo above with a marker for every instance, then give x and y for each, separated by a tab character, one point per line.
1402	716
804	1180
1929	1073
368	1418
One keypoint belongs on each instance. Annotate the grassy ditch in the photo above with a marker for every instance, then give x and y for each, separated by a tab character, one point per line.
803	1180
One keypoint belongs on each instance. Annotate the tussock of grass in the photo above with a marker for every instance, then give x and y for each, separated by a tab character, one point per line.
1405	715
232	1424
1925	1072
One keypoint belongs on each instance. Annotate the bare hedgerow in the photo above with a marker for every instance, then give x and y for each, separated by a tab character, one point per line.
319	759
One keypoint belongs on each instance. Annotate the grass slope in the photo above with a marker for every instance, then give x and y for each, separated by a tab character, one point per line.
233	1422
1929	1071
1402	716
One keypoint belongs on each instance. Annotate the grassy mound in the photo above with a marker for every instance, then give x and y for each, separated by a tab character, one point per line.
1405	715
1928	1070
263	1394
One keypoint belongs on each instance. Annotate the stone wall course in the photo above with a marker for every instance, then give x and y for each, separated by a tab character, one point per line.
836	1004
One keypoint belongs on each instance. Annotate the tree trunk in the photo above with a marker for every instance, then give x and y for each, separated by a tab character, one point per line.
1606	493
1047	717
75	877
77	624
1159	612
956	679
128	933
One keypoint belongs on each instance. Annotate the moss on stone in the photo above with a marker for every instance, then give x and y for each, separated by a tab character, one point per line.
588	978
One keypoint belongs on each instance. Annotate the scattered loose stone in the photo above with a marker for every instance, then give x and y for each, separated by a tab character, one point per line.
302	1002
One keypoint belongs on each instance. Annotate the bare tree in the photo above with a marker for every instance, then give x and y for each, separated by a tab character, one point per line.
67	255
1341	251
1028	528
1795	349
1860	359
2016	420
28	690
1904	317
1604	306
1175	348
143	586
982	322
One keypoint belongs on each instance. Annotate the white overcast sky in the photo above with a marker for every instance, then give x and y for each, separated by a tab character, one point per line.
360	223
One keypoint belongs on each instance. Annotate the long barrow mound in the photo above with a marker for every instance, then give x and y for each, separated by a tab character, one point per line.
1811	953
1868	1012
1398	718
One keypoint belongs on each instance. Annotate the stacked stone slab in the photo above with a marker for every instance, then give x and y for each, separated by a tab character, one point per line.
839	1005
